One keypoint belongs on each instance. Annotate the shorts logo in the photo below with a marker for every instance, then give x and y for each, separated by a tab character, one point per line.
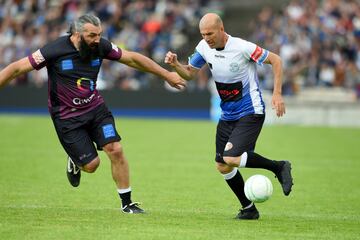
87	81
228	146
108	131
67	64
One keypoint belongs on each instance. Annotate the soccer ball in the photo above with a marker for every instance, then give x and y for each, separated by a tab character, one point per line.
258	188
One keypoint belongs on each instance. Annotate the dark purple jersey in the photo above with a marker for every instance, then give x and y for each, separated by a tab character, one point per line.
72	81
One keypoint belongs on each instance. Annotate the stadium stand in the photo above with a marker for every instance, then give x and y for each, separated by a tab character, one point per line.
148	26
319	42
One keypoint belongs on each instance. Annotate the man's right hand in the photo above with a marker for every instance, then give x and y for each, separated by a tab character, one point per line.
171	59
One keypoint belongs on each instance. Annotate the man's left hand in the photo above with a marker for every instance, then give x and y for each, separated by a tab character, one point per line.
278	104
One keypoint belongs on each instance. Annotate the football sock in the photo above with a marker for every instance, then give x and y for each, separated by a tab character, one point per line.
125	196
254	160
236	183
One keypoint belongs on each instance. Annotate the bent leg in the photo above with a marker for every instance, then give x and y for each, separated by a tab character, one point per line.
235	181
91	166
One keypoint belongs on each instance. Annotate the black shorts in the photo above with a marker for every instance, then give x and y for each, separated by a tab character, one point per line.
78	134
233	138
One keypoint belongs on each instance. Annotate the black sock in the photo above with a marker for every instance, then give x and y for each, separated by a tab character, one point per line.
125	198
255	160
236	184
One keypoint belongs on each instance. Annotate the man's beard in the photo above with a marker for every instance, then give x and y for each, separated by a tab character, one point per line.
88	52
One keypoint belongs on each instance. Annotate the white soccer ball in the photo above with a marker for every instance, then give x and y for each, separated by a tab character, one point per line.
258	188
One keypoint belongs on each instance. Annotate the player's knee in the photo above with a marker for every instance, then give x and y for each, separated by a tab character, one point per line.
223	168
232	161
115	150
92	166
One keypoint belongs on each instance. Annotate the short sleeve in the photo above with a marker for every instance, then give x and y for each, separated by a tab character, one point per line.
196	60
109	50
42	56
255	53
37	60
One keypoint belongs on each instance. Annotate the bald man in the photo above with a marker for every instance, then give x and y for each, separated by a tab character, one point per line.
232	62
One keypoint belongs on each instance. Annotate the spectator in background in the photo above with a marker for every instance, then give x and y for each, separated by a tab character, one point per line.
319	42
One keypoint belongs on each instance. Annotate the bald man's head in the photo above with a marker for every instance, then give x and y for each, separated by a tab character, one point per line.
212	30
210	20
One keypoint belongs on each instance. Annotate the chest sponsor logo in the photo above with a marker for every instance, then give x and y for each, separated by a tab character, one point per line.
85	83
234	67
82	101
67	64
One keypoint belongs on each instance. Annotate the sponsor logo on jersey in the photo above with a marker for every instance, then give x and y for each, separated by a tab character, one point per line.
219	56
81	101
67	64
227	93
81	82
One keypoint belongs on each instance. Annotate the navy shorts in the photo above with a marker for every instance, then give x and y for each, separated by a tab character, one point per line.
78	134
233	138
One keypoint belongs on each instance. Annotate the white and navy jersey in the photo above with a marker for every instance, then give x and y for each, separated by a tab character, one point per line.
234	71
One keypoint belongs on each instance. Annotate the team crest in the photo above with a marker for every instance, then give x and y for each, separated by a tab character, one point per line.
234	67
228	146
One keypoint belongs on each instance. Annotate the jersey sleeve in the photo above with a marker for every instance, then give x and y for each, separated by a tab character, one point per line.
255	53
42	56
196	60
109	50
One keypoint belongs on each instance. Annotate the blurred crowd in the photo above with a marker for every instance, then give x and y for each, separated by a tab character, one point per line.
151	27
319	42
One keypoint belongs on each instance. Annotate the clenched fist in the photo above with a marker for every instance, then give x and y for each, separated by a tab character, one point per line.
171	59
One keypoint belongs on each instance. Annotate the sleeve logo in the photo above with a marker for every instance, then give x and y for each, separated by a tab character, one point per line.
38	57
256	54
115	47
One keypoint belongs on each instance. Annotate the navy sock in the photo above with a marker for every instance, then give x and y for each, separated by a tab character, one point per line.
255	160
236	184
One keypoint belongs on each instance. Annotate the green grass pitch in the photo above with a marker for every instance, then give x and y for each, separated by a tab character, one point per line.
173	174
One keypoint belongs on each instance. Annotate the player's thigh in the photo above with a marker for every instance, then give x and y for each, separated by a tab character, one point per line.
223	132
76	142
103	129
244	135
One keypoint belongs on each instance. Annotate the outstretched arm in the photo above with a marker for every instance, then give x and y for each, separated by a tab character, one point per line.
145	64
14	70
185	71
277	101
